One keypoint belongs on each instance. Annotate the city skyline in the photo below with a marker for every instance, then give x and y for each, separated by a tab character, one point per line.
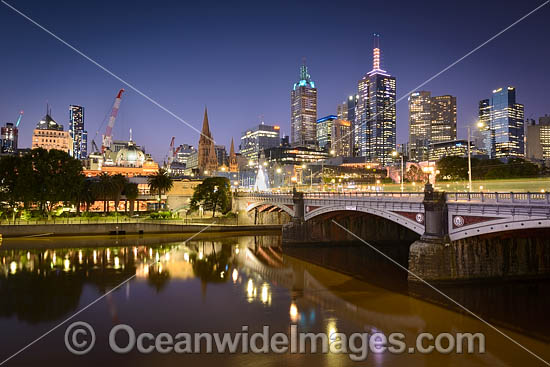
469	81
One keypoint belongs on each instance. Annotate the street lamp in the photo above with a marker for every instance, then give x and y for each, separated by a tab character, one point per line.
480	125
395	154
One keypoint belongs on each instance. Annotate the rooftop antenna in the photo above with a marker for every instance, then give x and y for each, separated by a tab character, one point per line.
376	52
130	134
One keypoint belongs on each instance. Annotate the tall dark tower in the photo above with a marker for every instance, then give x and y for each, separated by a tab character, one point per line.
375	120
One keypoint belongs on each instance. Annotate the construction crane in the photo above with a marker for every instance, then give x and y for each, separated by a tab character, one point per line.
172	152
108	138
19	119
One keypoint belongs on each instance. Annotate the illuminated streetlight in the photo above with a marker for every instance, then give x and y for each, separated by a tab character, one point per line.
279	170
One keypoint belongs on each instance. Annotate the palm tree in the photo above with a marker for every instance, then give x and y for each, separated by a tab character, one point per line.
131	192
160	183
104	189
88	194
119	183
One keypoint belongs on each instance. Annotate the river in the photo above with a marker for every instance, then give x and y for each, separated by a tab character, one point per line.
225	283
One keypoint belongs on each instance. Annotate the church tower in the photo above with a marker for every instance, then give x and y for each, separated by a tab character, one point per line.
208	163
233	166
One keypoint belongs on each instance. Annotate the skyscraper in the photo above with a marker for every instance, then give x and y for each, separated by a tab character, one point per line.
443	126
420	121
375	117
207	160
334	135
504	132
303	111
79	136
538	139
346	111
431	120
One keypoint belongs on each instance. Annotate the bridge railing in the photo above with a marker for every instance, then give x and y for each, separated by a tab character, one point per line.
341	195
500	197
364	194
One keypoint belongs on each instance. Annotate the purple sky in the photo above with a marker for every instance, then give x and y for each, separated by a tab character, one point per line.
241	59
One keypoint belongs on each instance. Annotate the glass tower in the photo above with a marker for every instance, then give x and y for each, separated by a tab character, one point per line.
502	121
420	123
375	118
303	111
79	136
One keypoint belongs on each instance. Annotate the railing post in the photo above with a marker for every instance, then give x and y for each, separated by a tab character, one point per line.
511	197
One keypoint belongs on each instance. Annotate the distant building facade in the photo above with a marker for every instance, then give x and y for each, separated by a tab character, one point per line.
443	124
303	111
538	139
257	139
502	120
334	135
79	135
8	138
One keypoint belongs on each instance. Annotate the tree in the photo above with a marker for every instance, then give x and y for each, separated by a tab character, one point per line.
131	192
119	182
160	183
88	194
9	179
453	168
212	194
104	189
57	178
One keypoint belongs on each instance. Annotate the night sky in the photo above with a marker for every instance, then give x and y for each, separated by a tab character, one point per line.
241	59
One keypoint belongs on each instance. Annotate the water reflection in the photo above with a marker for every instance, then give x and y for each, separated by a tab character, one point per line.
248	280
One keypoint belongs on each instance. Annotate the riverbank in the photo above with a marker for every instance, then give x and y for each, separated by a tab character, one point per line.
47	230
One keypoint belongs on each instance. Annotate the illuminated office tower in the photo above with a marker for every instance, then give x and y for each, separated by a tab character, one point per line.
502	121
484	121
346	111
257	139
443	127
79	136
375	119
303	111
334	135
420	122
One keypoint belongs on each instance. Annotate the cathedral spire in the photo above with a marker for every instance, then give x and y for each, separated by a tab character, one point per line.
205	125
233	166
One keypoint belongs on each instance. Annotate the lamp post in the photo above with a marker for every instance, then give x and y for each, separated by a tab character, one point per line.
479	125
394	153
469	162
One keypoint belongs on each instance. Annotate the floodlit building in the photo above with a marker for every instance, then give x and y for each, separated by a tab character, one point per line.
375	118
50	135
502	122
303	111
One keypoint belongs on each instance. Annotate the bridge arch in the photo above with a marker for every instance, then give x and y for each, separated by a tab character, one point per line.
414	225
282	207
